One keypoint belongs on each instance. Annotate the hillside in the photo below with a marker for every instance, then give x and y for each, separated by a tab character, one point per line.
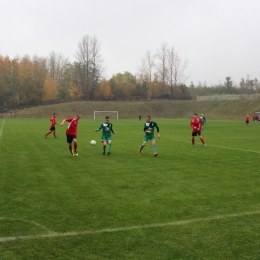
226	109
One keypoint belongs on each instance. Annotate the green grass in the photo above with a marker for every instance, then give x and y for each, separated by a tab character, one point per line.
187	203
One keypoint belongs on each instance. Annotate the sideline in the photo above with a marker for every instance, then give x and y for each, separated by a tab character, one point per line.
110	230
2	127
225	147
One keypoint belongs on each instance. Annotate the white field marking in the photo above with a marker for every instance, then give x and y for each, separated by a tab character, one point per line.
1	130
110	230
28	221
225	147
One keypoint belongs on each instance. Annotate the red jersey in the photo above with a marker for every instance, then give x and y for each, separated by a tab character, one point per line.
247	118
196	124
53	121
72	127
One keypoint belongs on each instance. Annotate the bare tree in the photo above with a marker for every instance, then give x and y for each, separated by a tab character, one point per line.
90	65
161	67
56	65
147	66
175	68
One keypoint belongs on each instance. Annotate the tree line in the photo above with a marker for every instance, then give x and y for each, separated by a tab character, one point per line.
32	81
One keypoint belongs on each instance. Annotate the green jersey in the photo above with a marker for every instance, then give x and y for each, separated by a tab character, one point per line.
203	118
150	126
107	128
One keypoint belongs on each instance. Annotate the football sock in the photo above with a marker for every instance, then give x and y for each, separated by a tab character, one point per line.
154	148
70	148
192	141
104	148
202	140
109	147
54	133
75	147
48	133
141	148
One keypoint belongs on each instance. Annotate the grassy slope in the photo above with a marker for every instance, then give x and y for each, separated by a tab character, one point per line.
227	109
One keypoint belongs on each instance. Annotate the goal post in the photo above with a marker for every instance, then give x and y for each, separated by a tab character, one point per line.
106	113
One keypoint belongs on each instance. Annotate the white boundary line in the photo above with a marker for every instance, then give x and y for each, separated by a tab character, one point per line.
2	127
225	147
110	230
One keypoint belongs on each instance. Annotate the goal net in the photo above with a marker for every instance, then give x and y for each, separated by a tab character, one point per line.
103	114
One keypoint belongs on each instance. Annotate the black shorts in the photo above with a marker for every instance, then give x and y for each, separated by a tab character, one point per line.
52	128
70	138
196	133
247	121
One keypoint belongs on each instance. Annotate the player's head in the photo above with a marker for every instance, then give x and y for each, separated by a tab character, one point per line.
54	115
195	115
107	118
148	118
78	116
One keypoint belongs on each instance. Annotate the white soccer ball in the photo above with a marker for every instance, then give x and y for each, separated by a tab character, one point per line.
93	142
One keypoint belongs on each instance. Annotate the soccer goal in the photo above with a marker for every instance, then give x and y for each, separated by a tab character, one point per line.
103	114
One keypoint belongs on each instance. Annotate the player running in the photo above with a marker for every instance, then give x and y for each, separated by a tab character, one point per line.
149	135
106	138
52	128
196	124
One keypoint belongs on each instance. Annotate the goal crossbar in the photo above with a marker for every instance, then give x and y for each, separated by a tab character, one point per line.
116	112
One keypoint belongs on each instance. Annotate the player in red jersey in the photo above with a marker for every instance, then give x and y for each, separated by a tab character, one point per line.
247	117
196	124
71	133
52	128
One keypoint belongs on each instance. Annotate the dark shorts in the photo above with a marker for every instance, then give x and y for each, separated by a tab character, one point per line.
247	121
52	128
196	133
70	138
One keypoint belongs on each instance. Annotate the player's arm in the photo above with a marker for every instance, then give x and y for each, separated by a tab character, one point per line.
158	131
98	129
112	129
63	121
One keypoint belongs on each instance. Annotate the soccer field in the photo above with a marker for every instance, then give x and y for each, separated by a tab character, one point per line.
187	203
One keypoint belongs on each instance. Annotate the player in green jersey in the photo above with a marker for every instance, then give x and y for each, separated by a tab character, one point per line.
106	137
149	135
203	118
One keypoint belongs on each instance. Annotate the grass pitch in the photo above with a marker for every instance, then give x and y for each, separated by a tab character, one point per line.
187	203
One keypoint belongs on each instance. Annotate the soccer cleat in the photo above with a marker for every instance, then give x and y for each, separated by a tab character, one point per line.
155	154
74	153
108	153
139	152
204	145
55	136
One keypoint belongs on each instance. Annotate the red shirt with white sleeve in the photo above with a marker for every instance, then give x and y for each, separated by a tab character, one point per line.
72	127
196	124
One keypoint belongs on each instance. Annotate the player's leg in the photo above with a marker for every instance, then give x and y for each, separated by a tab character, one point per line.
193	134
69	141
104	146
202	139
154	147
142	146
109	142
75	152
47	133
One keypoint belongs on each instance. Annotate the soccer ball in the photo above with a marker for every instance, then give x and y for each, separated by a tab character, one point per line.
93	142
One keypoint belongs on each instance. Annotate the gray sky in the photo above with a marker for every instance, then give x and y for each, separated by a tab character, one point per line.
219	38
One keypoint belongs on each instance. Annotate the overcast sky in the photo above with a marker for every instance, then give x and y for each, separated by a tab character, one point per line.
219	38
